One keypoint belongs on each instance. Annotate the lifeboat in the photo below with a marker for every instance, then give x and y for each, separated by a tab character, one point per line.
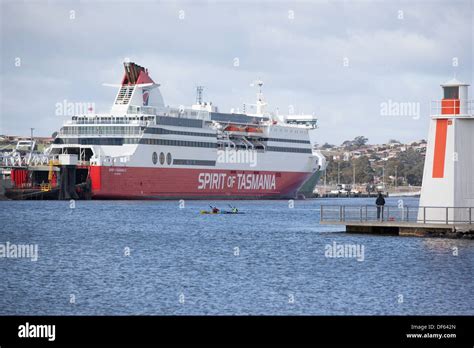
234	128
253	130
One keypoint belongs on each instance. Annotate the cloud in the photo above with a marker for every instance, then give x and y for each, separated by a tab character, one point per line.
398	50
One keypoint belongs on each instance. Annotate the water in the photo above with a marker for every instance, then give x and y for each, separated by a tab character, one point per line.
182	262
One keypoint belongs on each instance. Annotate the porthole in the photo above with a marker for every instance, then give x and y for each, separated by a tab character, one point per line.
154	158
168	158
162	158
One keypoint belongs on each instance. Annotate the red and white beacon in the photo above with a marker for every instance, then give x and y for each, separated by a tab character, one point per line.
448	176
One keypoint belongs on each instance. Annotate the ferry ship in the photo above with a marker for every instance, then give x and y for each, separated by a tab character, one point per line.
143	149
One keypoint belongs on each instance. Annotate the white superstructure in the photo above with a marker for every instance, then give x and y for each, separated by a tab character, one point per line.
140	133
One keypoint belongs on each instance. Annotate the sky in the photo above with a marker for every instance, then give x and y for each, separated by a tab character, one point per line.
363	67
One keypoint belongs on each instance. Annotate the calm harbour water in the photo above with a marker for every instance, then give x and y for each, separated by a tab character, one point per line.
182	262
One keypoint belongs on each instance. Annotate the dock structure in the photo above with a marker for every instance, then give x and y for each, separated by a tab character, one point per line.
37	176
401	220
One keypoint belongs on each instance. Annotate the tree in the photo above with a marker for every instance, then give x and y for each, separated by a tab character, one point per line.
345	173
394	168
360	141
327	146
363	170
355	144
347	143
408	164
413	166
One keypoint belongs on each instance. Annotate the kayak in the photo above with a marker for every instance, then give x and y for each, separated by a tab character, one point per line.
208	212
220	212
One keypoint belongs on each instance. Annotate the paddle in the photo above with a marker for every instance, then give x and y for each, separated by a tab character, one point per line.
232	208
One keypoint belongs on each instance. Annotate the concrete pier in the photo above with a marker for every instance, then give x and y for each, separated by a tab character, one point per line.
396	221
408	229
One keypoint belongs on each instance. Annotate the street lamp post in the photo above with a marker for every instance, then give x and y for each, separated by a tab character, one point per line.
383	178
31	145
338	172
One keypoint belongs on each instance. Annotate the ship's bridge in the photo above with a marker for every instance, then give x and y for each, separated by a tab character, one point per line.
309	121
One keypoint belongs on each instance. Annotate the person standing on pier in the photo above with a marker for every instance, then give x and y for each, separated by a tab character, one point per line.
380	202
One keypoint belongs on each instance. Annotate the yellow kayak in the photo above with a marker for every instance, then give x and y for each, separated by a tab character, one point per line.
220	212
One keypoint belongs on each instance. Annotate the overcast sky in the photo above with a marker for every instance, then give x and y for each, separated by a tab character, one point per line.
341	60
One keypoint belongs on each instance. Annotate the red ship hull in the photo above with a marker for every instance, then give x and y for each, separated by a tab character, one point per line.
170	183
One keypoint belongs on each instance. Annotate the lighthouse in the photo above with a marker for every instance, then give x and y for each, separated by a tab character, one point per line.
448	176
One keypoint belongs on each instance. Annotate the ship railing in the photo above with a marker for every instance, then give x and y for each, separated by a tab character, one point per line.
462	107
101	132
40	160
34	186
28	160
387	214
45	187
118	120
187	113
15	160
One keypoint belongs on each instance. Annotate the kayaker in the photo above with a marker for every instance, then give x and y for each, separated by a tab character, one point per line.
215	210
235	210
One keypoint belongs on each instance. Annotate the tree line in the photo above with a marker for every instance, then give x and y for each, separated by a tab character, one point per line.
404	169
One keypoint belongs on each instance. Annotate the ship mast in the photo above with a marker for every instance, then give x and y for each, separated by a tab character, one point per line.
260	99
199	90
